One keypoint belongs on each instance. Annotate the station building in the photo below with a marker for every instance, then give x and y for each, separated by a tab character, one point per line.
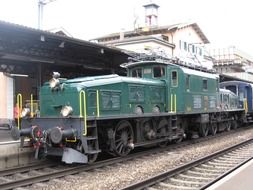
29	56
183	40
233	62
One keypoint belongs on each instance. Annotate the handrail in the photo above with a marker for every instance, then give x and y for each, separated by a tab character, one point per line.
245	105
82	106
173	103
98	111
31	104
19	102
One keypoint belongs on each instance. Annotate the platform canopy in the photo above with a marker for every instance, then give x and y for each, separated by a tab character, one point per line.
22	48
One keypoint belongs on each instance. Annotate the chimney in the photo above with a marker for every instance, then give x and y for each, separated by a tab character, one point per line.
121	34
151	14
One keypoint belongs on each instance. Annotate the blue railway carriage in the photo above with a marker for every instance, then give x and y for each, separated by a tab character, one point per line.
244	91
228	100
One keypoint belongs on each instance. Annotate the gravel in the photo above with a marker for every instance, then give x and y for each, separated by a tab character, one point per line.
120	175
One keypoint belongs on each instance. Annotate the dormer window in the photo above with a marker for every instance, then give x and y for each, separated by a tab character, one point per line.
166	38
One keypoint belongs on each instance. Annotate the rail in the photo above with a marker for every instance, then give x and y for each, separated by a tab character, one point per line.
166	176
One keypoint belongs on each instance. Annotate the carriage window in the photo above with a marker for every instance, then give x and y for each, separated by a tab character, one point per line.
174	79
204	84
187	82
158	72
232	88
241	96
137	73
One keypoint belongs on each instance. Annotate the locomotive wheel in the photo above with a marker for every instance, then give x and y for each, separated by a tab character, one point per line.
122	137
203	129
213	128
162	132
234	124
228	126
179	140
92	158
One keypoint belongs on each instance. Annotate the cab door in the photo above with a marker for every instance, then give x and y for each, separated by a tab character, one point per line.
173	90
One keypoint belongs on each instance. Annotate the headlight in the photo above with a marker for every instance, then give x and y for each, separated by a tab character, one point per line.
25	112
66	111
53	83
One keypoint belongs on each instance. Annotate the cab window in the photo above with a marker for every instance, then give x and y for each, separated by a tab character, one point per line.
174	78
204	84
137	73
187	82
158	72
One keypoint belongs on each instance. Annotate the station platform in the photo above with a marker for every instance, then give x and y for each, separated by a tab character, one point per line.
242	178
5	135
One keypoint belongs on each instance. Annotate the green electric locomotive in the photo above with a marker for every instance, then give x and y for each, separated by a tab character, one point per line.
158	102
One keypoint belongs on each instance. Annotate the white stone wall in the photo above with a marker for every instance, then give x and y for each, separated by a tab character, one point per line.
6	98
188	36
141	47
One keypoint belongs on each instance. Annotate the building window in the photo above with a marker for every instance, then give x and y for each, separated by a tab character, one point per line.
185	46
166	38
193	49
200	51
204	84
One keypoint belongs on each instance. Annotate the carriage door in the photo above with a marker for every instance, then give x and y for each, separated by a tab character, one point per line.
173	91
248	96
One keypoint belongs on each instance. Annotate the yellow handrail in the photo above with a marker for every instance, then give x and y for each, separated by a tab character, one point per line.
19	102
31	105
245	105
98	111
175	102
70	140
171	103
82	106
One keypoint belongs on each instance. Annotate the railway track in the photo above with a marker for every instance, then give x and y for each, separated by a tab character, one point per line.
28	175
201	173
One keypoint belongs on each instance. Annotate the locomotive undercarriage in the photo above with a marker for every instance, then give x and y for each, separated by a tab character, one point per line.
67	138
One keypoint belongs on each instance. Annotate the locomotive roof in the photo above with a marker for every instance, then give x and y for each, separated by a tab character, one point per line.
223	90
110	79
133	64
186	70
236	83
199	73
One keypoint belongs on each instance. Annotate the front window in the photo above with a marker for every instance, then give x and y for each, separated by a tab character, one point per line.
158	72
137	73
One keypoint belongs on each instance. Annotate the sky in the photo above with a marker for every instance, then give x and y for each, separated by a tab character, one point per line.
224	22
